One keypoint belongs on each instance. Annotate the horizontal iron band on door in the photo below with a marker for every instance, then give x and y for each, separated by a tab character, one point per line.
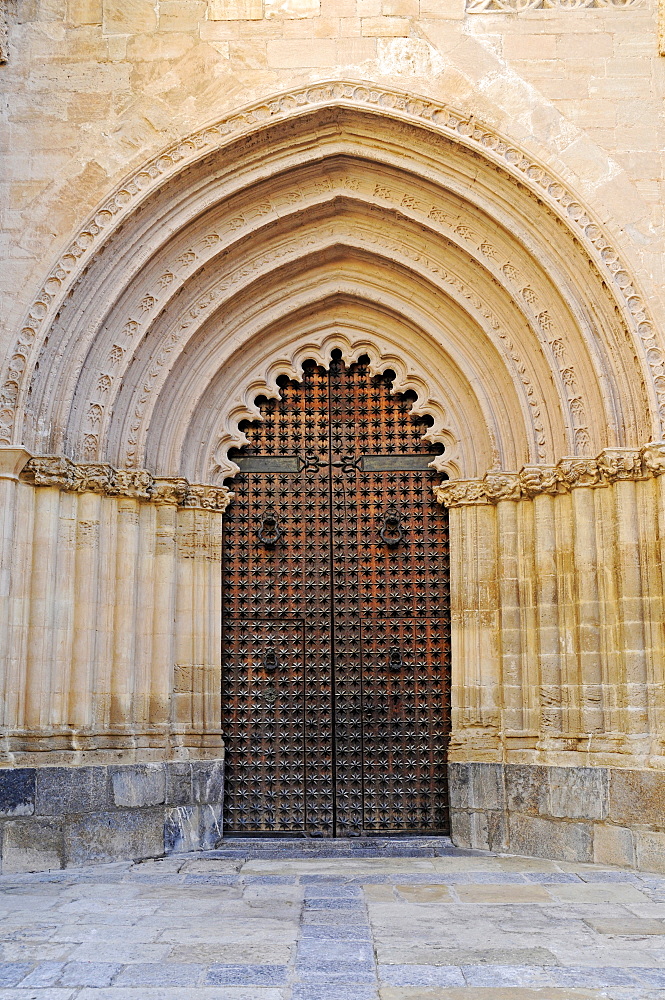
396	463
268	463
368	463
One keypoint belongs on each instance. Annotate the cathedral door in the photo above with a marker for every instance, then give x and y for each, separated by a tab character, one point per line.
335	670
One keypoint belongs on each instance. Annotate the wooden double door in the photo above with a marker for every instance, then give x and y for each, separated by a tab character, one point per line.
335	672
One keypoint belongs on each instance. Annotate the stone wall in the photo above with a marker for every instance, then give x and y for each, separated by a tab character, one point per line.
59	817
605	815
95	87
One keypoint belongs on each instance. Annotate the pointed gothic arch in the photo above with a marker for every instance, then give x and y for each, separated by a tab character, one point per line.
412	215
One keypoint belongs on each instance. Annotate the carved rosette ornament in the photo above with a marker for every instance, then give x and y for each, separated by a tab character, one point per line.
612	465
137	484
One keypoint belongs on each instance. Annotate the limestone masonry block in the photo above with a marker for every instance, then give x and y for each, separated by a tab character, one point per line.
566	813
386	27
235	10
97	838
62	790
527	789
54	817
32	845
140	785
613	845
579	792
125	17
547	838
291	8
293	54
17	792
637	798
178	782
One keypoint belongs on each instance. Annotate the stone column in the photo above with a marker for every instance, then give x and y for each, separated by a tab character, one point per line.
475	647
197	685
12	461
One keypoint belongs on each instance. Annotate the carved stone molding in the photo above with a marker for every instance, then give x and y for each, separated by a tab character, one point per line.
459	126
612	465
518	6
137	484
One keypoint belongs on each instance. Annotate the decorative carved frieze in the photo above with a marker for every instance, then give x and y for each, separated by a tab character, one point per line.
612	464
134	483
518	6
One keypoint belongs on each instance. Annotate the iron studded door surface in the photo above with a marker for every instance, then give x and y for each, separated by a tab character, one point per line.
336	627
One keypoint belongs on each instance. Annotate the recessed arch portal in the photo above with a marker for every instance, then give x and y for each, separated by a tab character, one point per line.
340	215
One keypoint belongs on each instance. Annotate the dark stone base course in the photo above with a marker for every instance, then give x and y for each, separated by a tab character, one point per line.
605	815
57	817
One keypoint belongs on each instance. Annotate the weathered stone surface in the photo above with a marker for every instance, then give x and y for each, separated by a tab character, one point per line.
138	785
208	781
549	838
637	798
65	790
114	836
578	792
650	850
17	791
193	828
486	789
178	782
211	827
458	785
182	830
32	845
613	845
526	789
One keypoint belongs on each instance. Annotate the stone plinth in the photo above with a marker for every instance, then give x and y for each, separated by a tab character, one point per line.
57	817
606	815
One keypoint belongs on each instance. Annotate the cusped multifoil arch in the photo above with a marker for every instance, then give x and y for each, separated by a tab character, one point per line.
417	182
231	401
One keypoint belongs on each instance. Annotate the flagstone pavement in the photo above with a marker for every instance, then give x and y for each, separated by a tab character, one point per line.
400	919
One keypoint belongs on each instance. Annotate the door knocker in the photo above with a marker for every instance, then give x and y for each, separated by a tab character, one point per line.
392	532
270	661
269	529
395	663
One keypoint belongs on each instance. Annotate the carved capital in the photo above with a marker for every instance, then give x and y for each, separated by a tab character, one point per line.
49	471
653	458
169	492
461	493
92	478
207	497
612	465
620	463
502	486
579	472
136	483
536	479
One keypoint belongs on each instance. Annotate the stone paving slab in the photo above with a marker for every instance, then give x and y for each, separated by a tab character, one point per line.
278	923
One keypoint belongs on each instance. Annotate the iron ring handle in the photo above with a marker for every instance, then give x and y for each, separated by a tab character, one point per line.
392	532
269	531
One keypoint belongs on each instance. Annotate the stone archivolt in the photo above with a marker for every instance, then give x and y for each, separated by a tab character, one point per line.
526	308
